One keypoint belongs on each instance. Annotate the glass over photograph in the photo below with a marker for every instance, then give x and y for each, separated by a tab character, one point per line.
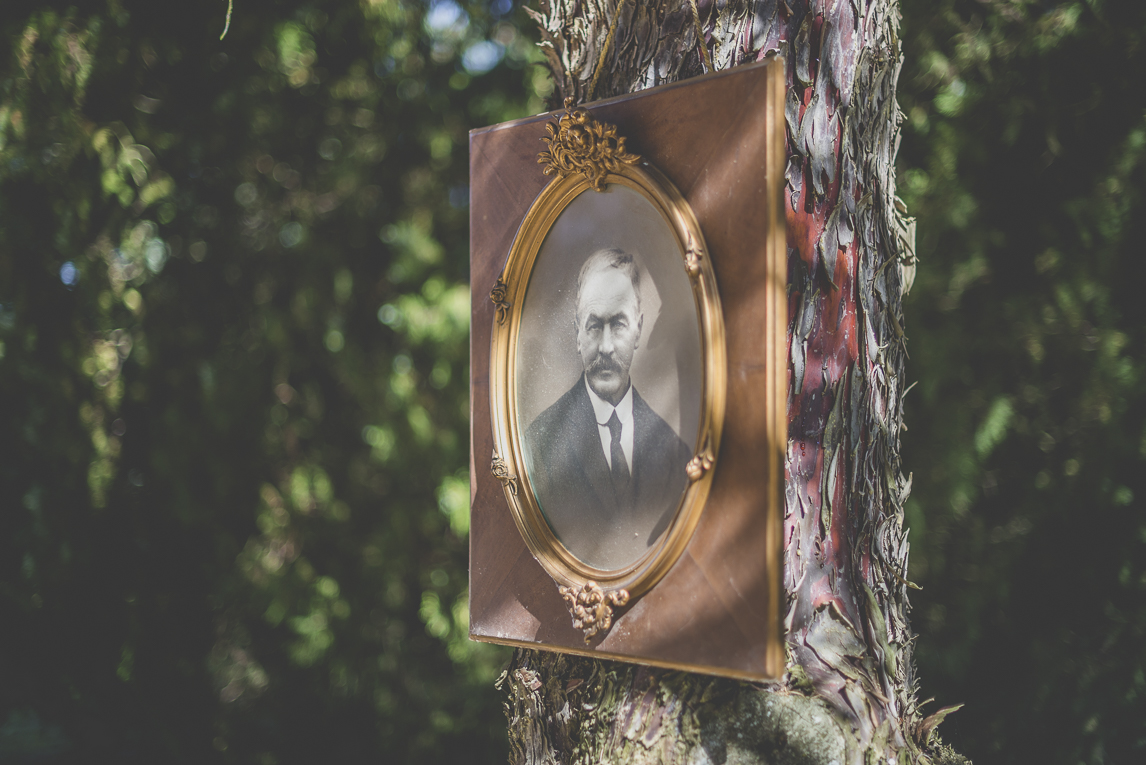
609	377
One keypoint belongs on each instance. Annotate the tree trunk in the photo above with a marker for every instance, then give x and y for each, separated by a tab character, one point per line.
849	695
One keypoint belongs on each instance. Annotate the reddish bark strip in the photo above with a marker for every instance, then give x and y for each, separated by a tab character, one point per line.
846	552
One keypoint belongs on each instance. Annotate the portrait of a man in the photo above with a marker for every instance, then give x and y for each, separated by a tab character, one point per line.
607	470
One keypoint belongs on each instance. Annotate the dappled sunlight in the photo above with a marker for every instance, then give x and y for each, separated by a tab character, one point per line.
233	306
1026	336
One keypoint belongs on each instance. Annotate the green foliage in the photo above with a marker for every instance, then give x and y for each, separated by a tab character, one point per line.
1024	158
233	360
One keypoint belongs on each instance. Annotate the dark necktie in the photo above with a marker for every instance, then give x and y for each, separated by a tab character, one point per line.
620	468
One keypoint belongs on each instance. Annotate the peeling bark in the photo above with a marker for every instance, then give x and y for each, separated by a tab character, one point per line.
850	692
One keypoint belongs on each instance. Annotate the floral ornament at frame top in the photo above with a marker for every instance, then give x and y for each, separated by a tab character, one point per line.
580	144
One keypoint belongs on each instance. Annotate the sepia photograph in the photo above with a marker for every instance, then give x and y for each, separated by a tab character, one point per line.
609	377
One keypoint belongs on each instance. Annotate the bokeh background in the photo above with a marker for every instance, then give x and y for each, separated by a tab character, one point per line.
233	376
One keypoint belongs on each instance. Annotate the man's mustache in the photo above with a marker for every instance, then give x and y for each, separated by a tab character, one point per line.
605	363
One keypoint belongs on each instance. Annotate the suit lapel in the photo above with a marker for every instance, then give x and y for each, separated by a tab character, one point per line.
593	464
642	427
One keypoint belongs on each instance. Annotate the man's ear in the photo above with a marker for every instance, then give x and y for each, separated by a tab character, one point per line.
640	325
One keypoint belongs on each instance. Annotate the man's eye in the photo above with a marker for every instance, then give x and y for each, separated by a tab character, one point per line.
617	324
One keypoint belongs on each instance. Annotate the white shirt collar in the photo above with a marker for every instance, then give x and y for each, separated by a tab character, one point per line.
604	410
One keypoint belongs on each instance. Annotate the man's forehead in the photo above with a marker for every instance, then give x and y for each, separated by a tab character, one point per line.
609	286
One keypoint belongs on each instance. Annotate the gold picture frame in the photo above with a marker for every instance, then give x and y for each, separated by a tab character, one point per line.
720	139
587	157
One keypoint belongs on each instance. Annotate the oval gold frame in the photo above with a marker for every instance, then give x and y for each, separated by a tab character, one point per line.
508	463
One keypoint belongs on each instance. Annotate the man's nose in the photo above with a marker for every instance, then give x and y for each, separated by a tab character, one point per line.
606	346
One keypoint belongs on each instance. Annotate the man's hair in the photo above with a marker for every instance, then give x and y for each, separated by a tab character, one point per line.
603	260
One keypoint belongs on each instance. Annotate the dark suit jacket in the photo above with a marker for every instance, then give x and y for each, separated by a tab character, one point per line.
572	482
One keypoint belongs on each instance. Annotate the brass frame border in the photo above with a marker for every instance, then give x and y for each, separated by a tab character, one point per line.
508	460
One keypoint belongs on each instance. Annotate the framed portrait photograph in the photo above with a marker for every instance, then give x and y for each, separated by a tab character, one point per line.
601	384
608	378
